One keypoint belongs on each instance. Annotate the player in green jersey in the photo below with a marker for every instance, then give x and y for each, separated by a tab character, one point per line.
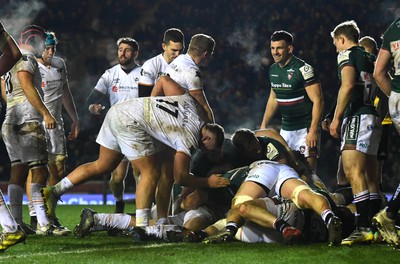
296	94
357	123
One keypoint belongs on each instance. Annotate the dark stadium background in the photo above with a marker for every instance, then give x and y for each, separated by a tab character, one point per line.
236	81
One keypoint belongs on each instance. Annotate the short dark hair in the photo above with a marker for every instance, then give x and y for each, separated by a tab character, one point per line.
282	35
129	41
242	137
348	29
175	35
218	131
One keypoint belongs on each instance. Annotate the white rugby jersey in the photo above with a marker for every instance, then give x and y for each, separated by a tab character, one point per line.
53	81
173	120
19	110
152	69
118	85
184	71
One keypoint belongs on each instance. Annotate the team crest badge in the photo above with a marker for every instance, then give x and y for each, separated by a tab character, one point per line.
115	89
290	75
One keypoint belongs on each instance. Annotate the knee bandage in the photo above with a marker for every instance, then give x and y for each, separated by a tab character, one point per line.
241	199
296	192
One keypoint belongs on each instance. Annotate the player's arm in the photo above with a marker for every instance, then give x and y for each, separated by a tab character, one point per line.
69	105
315	94
184	178
201	98
3	91
270	109
26	80
165	86
194	200
11	53
92	102
382	66
348	76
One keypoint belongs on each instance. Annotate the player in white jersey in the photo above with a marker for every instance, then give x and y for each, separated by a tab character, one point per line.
23	132
131	128
119	84
12	234
186	72
172	45
56	94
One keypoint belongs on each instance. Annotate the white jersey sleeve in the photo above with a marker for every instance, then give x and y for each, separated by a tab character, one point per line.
184	71
152	69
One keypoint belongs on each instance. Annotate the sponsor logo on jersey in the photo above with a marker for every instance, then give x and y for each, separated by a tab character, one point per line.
198	74
115	89
144	73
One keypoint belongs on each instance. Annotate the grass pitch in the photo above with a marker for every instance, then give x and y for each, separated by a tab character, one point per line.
100	248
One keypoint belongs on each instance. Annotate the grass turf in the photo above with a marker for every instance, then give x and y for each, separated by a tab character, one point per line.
100	248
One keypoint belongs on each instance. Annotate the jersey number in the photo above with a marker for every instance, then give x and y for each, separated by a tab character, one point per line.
174	104
7	83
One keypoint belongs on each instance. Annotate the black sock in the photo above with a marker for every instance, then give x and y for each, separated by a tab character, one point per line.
280	224
394	204
231	227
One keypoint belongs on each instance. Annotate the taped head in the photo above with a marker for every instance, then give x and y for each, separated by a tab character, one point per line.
34	36
51	39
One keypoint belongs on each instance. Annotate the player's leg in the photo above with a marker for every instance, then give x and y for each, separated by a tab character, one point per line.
108	160
305	198
149	167
18	174
355	168
164	186
117	184
11	234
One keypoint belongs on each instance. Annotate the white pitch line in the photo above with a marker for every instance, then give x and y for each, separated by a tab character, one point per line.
80	251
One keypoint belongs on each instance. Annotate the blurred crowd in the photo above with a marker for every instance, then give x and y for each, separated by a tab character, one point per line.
236	81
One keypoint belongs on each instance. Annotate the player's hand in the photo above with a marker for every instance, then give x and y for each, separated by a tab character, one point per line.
74	131
311	139
334	128
96	109
216	181
49	121
326	123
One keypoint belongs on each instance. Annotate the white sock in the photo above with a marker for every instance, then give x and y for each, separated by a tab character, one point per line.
6	220
62	187
31	208
38	203
15	193
119	221
142	217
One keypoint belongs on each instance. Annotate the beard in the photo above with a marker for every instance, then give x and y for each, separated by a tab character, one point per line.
125	62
